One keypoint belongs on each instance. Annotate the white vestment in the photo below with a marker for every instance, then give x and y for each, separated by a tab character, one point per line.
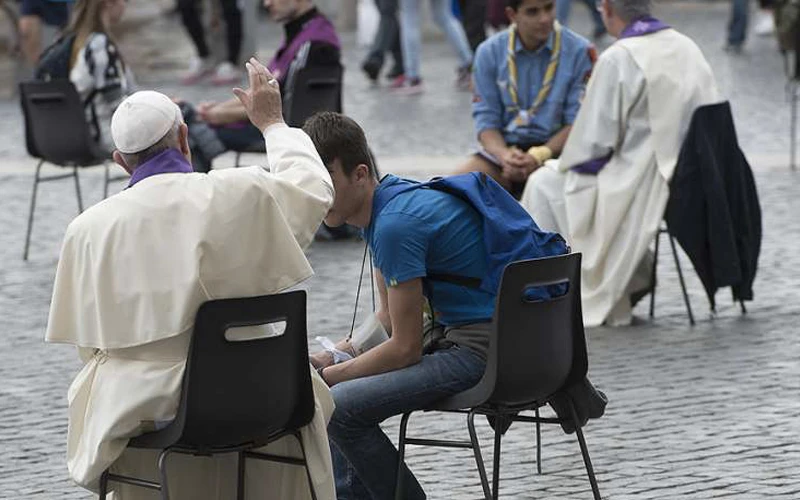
636	112
133	271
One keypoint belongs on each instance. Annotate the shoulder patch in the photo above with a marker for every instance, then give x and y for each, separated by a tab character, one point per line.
592	52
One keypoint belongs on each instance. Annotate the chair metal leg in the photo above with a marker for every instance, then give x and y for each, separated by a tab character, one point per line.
400	483
78	190
653	277
744	309
238	158
32	209
107	180
162	471
240	478
680	277
103	485
498	436
793	127
538	444
585	452
476	448
305	461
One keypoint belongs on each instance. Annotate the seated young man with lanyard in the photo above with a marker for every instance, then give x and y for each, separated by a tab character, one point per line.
420	240
528	83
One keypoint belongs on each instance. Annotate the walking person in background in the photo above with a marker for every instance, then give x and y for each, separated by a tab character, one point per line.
411	36
562	14
737	27
387	39
204	65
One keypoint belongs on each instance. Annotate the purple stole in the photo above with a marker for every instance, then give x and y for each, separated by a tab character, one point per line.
170	161
643	26
317	29
640	27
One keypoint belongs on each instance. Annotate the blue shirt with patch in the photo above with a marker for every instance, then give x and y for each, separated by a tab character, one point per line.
492	100
427	231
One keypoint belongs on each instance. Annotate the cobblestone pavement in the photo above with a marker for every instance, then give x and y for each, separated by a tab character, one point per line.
695	412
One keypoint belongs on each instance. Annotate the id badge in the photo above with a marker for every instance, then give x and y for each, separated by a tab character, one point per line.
523	119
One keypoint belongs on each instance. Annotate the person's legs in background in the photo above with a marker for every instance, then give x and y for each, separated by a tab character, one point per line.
444	18
473	17
387	38
227	72
597	19
562	11
202	65
411	40
737	28
33	14
764	24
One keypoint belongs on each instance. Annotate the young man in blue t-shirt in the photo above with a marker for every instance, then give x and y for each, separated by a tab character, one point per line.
412	236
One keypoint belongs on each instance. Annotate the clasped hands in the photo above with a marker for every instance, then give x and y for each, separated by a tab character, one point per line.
517	165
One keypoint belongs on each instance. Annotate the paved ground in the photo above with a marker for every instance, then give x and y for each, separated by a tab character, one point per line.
702	412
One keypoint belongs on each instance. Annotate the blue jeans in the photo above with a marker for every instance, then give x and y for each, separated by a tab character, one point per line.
737	29
364	459
562	14
411	36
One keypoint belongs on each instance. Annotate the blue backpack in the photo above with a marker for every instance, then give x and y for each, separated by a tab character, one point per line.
509	232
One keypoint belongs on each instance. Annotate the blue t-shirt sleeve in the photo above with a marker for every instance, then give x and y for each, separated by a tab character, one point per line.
401	247
487	102
582	69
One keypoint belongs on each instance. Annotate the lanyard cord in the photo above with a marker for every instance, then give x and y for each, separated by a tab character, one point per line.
549	74
358	291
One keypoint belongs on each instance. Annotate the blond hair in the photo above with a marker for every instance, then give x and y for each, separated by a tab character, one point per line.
87	18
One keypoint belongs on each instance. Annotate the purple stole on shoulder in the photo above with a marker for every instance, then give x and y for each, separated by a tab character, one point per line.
643	26
318	29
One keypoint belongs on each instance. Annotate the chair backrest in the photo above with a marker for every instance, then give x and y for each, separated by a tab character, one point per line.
313	89
56	129
538	346
244	392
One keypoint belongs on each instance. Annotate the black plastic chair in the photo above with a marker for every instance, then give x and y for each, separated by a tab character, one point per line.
237	396
310	90
56	132
537	349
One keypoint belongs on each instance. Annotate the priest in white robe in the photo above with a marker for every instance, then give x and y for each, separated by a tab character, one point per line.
135	268
608	192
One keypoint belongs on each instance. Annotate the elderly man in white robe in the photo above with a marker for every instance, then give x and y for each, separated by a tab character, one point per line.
135	268
608	192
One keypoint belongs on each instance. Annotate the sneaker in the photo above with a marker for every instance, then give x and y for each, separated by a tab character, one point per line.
372	68
226	74
394	73
198	69
410	86
464	78
397	81
733	48
765	23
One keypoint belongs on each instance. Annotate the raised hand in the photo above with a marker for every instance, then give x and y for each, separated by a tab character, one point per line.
262	101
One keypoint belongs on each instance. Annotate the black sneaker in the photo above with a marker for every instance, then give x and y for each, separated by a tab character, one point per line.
372	68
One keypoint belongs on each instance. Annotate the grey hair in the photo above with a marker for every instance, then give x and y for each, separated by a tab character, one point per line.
629	10
170	140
